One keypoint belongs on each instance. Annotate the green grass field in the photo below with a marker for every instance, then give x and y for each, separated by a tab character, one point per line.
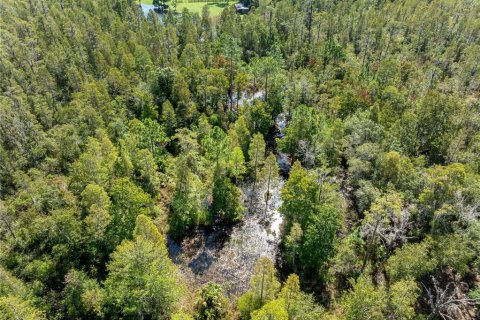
196	7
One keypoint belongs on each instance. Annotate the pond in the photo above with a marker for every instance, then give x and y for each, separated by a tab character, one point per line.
146	8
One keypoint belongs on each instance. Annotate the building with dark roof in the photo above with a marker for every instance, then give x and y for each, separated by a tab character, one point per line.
241	8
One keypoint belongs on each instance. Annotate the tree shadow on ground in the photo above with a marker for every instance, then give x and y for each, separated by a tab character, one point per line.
221	5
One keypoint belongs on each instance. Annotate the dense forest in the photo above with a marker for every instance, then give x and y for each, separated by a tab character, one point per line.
345	131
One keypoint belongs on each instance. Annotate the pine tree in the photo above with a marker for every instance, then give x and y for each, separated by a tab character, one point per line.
256	153
226	198
142	280
212	303
263	288
270	176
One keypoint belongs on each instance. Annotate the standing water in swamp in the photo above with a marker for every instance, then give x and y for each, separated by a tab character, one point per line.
227	255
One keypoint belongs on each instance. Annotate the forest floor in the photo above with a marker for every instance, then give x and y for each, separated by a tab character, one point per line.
216	7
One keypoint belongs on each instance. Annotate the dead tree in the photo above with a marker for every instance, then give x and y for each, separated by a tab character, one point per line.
447	302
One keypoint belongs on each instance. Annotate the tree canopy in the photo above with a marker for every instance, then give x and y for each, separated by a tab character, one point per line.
345	134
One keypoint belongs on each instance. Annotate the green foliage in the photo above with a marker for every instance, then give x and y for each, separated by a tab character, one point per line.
9	285
382	218
258	117
319	238
212	304
453	252
262	289
364	301
291	303
169	118
435	126
293	243
473	238
442	181
332	52
274	309
21	137
82	296
96	203
12	307
95	165
142	281
348	252
290	292
299	195
236	164
162	88
128	202
110	118
313	218
152	137
269	175
301	133
256	154
181	316
305	307
411	261
240	135
402	298
226	199
187	202
475	294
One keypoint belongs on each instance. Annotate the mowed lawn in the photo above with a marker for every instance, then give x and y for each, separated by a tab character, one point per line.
196	7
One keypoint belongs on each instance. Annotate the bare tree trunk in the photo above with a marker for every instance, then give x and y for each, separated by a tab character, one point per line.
270	27
261	290
369	246
267	197
5	220
230	89
365	49
288	298
266	87
254	181
32	7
